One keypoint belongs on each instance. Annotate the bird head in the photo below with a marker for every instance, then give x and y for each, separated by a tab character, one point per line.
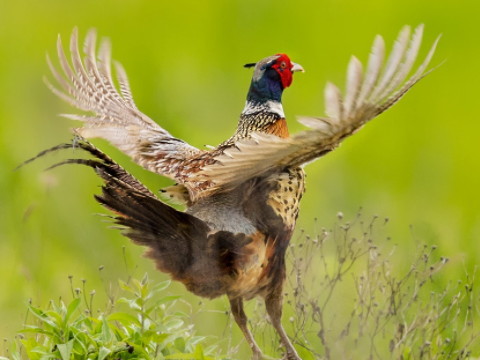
270	77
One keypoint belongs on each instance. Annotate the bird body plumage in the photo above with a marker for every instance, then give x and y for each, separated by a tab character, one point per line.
243	196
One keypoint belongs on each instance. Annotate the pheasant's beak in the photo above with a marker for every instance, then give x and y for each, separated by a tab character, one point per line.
297	67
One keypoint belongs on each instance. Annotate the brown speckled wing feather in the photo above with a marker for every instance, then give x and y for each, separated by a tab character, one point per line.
111	114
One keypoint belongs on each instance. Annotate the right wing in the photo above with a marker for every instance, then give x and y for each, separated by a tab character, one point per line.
367	96
87	84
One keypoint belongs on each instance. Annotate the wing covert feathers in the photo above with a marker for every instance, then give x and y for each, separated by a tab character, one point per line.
87	84
367	95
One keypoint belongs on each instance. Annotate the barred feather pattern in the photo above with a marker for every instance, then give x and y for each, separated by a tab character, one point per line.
87	84
251	123
367	95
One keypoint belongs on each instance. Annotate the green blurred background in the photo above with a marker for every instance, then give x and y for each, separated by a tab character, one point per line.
417	164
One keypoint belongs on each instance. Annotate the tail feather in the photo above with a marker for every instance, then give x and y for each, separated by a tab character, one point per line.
180	244
175	239
103	164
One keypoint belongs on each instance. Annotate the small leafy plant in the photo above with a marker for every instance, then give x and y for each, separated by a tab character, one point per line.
150	329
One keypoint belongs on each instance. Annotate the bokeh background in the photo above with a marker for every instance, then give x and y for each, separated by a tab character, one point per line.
417	164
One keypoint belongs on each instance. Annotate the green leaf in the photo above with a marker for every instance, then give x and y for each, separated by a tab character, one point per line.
72	307
180	344
199	352
82	341
173	324
42	316
305	355
65	350
106	334
161	286
36	330
124	318
124	286
145	279
48	357
136	287
103	353
160	338
131	303
180	314
55	317
196	339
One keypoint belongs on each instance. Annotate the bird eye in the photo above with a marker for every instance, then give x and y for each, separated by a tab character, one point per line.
283	65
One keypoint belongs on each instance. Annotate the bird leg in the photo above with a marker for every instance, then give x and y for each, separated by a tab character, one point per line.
273	303
236	304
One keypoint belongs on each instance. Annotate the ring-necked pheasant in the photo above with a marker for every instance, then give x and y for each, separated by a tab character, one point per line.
242	197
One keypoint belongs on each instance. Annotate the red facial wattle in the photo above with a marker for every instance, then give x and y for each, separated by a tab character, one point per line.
283	66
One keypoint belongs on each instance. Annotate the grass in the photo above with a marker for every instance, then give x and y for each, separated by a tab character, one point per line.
348	296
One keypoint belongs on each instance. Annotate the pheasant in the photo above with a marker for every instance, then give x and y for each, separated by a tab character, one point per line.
242	197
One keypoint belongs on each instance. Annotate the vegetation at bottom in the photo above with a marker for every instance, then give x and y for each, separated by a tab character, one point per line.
347	297
149	328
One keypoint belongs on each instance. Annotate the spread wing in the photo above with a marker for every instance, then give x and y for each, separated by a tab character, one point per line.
87	84
367	95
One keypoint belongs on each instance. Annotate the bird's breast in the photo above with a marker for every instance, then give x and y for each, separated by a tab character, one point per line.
278	128
284	198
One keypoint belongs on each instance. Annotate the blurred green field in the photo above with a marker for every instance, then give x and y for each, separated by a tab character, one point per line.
418	164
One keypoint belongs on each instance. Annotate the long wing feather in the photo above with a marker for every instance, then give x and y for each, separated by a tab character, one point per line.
87	84
393	63
354	83
365	100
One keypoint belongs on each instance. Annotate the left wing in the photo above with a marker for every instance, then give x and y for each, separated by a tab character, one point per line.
367	95
86	82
